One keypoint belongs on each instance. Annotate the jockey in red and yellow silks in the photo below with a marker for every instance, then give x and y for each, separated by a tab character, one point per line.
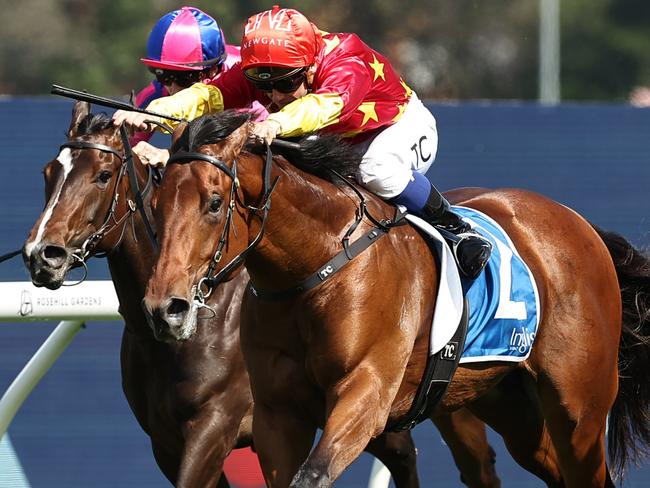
354	92
313	81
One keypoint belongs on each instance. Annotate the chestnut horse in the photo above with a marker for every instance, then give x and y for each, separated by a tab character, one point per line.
192	398
348	355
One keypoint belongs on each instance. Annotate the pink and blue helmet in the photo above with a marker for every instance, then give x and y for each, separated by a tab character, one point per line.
185	39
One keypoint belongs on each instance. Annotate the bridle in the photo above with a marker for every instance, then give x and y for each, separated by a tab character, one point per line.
110	222
205	285
203	288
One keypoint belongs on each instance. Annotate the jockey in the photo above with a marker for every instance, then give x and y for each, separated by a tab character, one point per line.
184	47
311	81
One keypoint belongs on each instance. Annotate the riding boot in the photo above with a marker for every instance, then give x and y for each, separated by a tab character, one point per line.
470	248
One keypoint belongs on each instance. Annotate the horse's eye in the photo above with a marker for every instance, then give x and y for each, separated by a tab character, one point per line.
104	176
214	204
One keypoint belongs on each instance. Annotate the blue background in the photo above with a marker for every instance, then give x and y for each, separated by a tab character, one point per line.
76	429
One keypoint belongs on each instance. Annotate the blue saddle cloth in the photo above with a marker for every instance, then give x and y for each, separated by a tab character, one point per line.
503	300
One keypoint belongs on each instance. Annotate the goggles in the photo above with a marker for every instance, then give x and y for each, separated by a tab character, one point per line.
269	78
183	79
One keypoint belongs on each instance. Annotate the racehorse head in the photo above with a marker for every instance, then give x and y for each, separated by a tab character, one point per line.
83	213
196	207
212	215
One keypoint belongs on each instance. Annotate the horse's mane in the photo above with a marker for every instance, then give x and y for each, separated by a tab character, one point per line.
210	129
323	154
315	154
93	123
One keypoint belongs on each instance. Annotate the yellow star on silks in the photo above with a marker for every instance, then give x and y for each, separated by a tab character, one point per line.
407	88
400	110
378	68
368	109
330	44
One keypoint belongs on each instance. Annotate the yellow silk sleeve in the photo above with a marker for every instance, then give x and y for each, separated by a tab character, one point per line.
199	99
308	114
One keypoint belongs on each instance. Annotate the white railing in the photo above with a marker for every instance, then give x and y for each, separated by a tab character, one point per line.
23	302
72	305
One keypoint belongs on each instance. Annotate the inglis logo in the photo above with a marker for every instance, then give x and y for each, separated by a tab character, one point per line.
521	340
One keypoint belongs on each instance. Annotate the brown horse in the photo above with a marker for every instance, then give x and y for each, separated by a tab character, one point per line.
173	389
348	355
176	390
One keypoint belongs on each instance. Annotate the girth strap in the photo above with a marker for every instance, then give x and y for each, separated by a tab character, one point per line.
438	373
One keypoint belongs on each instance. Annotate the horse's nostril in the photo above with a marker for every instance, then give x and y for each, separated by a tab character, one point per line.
55	256
178	306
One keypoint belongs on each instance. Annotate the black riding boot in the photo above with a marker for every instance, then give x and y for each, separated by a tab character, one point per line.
470	249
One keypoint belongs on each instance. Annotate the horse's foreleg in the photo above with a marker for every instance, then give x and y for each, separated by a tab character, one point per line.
397	451
167	457
282	443
356	415
208	440
223	482
465	436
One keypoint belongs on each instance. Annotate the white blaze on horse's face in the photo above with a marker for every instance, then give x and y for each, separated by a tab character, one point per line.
65	160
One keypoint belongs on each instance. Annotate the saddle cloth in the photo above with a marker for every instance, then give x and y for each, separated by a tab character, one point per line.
503	300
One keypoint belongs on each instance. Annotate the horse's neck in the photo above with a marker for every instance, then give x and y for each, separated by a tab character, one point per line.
304	229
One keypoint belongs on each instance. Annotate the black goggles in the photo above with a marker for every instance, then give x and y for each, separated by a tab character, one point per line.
183	79
274	79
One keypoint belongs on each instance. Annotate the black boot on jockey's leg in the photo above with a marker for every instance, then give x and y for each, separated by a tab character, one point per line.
470	249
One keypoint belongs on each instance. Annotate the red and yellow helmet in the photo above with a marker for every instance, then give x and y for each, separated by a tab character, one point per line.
280	38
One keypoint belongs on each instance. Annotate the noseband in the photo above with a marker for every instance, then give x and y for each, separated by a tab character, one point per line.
126	166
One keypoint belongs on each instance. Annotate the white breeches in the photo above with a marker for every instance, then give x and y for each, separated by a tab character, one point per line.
408	145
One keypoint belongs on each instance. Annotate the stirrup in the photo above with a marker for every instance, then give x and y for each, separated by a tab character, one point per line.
471	265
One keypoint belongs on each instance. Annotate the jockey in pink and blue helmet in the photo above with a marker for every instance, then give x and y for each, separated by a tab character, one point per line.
184	47
185	40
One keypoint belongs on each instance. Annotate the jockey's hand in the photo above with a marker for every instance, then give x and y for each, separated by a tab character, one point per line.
265	131
151	155
135	120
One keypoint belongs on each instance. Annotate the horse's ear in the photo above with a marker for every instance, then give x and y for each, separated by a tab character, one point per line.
238	139
79	112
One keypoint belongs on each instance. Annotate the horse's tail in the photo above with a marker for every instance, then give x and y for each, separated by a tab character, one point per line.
629	418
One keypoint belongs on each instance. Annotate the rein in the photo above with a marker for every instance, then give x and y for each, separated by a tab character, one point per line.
10	255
